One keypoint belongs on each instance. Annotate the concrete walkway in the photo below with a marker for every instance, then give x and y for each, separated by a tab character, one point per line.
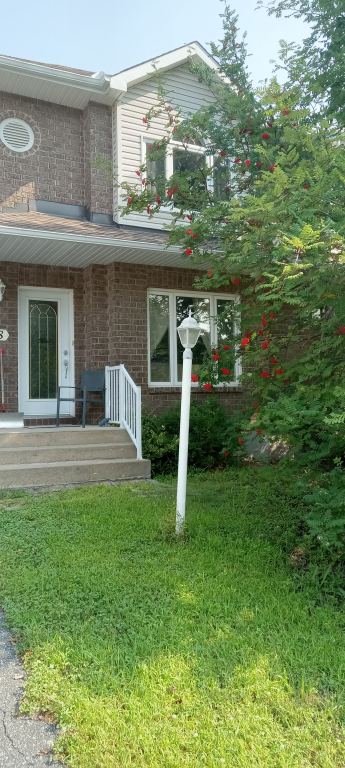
23	742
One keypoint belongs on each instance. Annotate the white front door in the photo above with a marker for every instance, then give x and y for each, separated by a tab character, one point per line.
45	350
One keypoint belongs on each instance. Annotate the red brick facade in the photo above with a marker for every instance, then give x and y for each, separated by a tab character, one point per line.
60	168
14	275
128	285
110	302
97	144
110	321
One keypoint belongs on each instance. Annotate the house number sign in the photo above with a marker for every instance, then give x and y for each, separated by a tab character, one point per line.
3	334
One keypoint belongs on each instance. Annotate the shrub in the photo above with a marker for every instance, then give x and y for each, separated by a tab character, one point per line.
322	526
326	518
158	446
210	429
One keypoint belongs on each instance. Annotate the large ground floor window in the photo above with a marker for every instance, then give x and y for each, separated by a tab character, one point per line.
216	315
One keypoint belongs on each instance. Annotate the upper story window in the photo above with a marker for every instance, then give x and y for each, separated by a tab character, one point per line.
16	134
156	166
161	166
220	178
216	315
184	157
185	160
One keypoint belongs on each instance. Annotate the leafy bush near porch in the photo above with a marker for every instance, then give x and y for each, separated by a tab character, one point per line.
325	521
210	429
158	446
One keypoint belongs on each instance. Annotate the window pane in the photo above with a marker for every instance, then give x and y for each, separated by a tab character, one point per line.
225	326
201	311
186	161
43	349
221	175
155	162
159	338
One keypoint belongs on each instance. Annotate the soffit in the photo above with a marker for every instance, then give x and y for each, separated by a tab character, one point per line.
39	81
41	239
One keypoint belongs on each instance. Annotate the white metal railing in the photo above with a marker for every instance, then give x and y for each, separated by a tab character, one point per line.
123	403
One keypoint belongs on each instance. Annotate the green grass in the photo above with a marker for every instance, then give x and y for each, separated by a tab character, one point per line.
156	653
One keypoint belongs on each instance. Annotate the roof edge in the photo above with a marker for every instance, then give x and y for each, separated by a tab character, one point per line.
98	83
91	239
167	61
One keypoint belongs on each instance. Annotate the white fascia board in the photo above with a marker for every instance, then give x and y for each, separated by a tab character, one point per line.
118	83
92	239
99	83
169	61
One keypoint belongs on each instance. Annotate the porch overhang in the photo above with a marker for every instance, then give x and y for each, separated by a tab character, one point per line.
73	249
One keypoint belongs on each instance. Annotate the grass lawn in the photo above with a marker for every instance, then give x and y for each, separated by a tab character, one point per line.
154	653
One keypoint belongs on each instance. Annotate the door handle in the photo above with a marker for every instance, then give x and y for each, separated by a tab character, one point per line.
65	362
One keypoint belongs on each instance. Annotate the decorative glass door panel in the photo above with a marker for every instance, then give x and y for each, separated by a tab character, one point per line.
45	350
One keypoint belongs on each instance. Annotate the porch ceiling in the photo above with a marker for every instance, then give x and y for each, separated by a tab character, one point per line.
31	238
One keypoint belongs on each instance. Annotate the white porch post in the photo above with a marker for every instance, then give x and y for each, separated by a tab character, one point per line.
184	438
138	424
107	392
121	396
188	332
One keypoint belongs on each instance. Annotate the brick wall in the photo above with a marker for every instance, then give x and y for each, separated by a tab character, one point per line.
60	167
98	144
14	275
128	284
96	317
55	170
110	316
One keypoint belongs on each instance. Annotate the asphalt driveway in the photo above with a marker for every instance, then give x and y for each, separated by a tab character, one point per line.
24	742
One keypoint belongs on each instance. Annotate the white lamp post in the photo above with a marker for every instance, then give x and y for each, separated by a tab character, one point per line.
188	332
2	289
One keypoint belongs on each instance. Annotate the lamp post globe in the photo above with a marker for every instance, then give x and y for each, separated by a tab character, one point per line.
189	332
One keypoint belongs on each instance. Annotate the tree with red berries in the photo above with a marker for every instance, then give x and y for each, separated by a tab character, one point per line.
317	65
269	216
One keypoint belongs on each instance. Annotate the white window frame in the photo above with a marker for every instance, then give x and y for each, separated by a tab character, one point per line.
169	168
173	334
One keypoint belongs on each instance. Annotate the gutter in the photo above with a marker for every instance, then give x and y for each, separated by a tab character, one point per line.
99	83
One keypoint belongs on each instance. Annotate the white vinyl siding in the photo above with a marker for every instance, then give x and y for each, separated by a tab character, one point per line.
186	92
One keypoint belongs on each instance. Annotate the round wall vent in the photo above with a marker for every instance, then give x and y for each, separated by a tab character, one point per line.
16	134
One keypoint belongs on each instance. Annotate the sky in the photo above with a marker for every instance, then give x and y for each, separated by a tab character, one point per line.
115	34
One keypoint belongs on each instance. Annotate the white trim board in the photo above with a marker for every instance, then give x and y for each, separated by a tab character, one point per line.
170	60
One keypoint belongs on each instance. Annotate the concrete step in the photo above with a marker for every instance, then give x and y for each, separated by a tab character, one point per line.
31	437
47	474
63	453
